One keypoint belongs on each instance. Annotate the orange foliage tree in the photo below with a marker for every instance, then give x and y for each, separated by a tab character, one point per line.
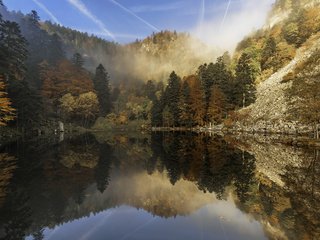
62	79
196	99
6	111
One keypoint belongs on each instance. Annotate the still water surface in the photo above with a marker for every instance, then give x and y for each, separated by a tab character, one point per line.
158	186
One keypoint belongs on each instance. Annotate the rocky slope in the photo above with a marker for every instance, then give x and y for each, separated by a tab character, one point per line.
272	107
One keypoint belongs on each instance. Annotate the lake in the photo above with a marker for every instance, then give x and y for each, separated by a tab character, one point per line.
158	186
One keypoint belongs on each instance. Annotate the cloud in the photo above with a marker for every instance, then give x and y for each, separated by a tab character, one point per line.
225	14
237	20
85	11
157	8
135	15
202	12
47	11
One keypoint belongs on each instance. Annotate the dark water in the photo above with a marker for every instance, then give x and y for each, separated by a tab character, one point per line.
159	186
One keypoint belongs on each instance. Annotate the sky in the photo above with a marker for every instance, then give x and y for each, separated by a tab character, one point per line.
217	22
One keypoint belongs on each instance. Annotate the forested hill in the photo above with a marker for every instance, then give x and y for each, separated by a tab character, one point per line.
168	79
154	57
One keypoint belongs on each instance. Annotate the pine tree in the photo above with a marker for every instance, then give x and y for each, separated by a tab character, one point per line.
77	60
156	113
268	52
150	90
101	85
26	101
245	80
13	51
171	97
185	106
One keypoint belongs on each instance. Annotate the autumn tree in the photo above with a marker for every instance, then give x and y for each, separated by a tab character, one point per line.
217	110
62	79
84	107
197	100
6	110
101	85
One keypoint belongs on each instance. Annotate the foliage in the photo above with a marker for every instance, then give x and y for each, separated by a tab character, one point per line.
7	112
305	90
85	107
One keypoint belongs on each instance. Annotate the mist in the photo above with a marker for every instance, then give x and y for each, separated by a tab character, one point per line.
239	20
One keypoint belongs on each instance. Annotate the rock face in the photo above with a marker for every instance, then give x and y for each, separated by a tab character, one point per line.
270	112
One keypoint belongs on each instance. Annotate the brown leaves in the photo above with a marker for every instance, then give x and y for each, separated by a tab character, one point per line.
6	111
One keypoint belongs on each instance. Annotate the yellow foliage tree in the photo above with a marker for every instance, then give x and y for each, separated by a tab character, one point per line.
6	111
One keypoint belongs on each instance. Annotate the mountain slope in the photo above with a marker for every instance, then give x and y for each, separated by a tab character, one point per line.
284	91
154	57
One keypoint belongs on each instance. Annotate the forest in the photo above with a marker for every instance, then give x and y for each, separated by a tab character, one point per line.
46	78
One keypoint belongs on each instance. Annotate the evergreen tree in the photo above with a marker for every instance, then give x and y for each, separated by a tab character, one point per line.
101	85
77	60
26	101
13	51
185	106
268	52
171	97
102	170
150	90
245	81
156	113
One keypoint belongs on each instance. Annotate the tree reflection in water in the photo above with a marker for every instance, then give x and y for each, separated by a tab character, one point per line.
47	184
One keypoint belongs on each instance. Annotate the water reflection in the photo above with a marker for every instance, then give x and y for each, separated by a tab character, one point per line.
170	186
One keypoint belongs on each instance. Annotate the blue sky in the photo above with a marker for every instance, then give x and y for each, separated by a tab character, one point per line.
126	20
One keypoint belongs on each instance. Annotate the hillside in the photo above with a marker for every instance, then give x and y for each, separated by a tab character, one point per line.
286	88
154	57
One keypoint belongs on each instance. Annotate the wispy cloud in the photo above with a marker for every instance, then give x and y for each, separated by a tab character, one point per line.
85	11
157	8
133	14
225	14
202	12
47	11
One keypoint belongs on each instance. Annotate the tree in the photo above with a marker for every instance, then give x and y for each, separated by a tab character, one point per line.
77	60
62	79
150	90
185	106
156	113
171	97
13	51
167	116
246	73
85	107
6	111
101	85
268	52
26	101
217	105
197	100
291	33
